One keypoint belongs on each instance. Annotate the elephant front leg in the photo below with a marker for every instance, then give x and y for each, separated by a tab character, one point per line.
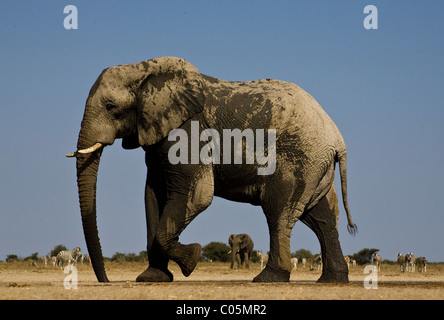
155	198
175	218
157	270
247	262
180	209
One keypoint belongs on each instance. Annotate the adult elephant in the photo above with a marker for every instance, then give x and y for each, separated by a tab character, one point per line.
143	102
241	249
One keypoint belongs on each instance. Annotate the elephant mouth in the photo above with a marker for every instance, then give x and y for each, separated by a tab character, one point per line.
91	149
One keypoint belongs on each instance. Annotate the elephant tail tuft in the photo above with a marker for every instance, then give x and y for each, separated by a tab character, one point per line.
342	159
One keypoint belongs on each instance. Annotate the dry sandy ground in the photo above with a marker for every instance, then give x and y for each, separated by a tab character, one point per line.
214	281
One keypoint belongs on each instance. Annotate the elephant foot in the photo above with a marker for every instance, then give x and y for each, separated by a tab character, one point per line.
270	274
333	277
187	257
155	275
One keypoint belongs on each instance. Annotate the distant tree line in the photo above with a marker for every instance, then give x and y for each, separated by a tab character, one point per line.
219	251
130	257
213	251
35	255
118	256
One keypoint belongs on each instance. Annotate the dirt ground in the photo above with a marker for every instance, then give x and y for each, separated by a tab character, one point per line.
213	281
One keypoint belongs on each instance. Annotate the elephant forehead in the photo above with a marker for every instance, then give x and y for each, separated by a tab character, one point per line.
115	76
169	64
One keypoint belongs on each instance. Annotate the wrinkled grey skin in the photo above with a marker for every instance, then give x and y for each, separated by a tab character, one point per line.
142	102
241	249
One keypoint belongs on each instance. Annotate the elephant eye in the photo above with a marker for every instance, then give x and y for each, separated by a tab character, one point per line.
110	107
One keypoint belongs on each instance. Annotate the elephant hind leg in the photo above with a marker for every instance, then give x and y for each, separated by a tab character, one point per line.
322	219
280	223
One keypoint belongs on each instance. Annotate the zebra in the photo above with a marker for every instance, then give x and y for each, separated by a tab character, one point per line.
76	253
85	258
377	260
263	257
401	261
294	262
410	262
353	262
33	263
64	256
304	262
318	262
347	261
421	261
70	257
45	259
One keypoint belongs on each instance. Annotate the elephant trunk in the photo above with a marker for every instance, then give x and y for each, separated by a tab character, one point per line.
87	169
235	257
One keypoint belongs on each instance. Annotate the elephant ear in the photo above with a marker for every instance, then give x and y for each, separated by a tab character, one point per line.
230	239
243	239
171	94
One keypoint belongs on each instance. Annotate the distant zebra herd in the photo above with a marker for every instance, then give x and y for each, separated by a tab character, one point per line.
316	263
408	263
64	257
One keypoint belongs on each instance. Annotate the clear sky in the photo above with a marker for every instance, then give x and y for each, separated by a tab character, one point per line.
383	88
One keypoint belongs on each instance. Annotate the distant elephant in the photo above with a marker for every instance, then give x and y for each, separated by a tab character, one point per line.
153	103
241	249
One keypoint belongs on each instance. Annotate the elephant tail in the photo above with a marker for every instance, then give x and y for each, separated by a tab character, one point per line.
342	159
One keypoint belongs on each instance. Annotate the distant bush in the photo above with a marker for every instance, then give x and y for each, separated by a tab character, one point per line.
12	258
34	256
216	251
130	257
254	256
364	256
57	249
302	253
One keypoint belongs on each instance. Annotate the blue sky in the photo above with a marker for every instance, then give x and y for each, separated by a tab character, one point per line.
383	88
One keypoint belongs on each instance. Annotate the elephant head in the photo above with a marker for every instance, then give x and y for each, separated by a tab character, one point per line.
140	103
241	248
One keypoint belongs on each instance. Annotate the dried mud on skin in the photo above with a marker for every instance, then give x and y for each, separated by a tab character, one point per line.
215	281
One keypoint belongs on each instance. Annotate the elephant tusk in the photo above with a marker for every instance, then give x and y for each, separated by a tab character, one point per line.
95	147
98	145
